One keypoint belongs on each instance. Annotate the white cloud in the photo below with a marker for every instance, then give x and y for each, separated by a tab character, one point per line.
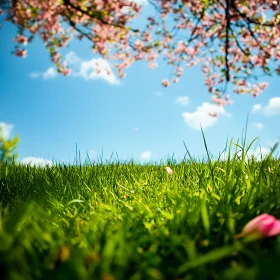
273	107
259	154
258	125
183	100
48	74
201	116
34	161
5	129
72	58
256	107
136	128
96	68
146	155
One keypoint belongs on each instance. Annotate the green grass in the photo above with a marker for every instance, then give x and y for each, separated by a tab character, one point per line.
131	221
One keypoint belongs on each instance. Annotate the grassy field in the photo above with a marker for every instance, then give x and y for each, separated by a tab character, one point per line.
131	221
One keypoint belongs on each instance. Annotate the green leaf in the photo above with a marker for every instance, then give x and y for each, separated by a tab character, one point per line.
213	256
205	217
75	201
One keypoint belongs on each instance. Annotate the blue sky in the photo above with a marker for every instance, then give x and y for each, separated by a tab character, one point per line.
134	117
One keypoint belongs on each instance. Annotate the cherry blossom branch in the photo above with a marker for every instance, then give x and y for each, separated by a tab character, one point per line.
250	20
68	2
227	11
72	23
229	38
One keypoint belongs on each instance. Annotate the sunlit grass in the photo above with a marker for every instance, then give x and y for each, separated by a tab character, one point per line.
131	221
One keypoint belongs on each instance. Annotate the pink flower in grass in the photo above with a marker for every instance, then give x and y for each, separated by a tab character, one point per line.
169	170
263	225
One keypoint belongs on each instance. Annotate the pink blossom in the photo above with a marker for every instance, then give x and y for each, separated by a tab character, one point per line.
263	225
221	101
218	101
241	83
64	70
180	47
21	53
152	65
138	45
165	83
21	39
214	115
121	73
263	85
190	51
169	170
55	57
151	57
139	56
147	37
179	71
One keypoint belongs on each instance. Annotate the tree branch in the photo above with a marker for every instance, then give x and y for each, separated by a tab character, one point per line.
248	19
68	2
227	11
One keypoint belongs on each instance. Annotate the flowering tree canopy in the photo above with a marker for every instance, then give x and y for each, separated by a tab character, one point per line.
234	41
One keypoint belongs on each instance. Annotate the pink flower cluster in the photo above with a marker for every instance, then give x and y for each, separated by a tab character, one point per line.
105	27
221	101
55	57
21	52
248	49
255	89
21	39
64	70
